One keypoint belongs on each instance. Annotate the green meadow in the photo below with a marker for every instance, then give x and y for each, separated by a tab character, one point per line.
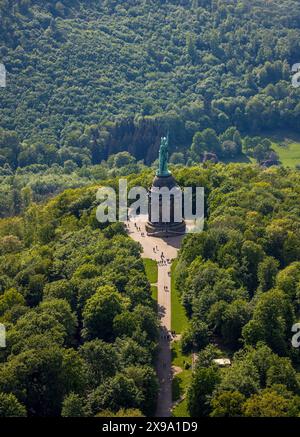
151	270
181	380
179	319
287	146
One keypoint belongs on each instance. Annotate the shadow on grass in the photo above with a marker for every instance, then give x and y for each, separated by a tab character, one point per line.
242	158
174	354
284	137
176	389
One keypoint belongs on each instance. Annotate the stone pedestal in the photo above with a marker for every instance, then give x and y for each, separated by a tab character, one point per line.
160	228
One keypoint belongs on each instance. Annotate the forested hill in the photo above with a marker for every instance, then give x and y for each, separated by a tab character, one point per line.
81	324
75	67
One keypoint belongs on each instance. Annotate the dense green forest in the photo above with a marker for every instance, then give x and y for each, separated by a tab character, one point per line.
91	88
240	285
81	324
87	79
38	182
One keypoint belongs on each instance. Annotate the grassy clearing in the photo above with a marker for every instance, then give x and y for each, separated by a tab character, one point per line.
180	381
287	146
289	153
179	320
178	359
151	270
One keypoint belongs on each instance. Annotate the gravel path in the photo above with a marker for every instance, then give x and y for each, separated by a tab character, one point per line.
154	248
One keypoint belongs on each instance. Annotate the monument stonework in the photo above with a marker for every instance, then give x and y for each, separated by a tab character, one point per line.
156	225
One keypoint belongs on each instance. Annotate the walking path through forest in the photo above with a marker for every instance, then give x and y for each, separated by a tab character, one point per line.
163	251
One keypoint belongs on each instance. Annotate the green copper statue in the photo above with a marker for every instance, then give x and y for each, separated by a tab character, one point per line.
163	158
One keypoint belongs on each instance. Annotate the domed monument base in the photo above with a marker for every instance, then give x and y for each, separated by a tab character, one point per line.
156	225
165	230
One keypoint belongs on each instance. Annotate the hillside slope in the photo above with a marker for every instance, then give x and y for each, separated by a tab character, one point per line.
73	65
